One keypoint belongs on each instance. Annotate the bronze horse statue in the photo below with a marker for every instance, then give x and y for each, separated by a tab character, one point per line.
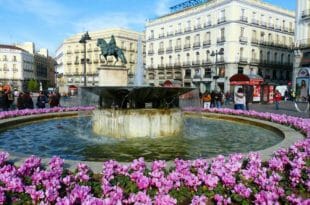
110	49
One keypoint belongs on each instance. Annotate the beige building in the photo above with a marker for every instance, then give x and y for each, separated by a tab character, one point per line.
16	66
70	56
254	37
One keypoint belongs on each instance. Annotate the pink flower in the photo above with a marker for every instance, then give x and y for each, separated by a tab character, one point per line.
199	200
164	200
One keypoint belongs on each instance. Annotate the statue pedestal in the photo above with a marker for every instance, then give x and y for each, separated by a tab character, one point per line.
110	75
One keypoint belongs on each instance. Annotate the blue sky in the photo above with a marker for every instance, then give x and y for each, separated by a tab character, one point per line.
49	22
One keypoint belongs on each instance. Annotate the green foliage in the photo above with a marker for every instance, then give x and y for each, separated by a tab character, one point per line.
125	183
183	195
33	85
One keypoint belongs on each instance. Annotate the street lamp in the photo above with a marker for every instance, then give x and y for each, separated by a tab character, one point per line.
216	53
84	40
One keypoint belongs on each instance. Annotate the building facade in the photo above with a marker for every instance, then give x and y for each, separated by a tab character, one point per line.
205	45
70	56
16	66
302	39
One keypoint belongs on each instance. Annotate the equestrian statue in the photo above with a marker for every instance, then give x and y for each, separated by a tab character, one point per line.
110	49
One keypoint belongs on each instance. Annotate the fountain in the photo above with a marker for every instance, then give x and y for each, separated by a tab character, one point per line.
138	110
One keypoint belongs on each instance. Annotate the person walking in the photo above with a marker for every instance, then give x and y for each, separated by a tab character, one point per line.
248	96
219	99
206	100
239	99
27	100
20	102
277	99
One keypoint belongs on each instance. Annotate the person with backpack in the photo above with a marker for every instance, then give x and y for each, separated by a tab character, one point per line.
206	99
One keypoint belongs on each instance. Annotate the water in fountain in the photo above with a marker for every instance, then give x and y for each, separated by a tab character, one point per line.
138	81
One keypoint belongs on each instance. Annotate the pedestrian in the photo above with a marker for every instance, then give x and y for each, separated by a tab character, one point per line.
248	96
227	98
27	101
41	100
2	100
239	99
219	99
20	102
213	95
277	99
206	100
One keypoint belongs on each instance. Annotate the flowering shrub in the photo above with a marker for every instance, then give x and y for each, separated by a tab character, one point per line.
237	179
17	113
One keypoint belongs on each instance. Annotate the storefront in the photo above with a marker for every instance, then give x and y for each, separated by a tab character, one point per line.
302	84
251	83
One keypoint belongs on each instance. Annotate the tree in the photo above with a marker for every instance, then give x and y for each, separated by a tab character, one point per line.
33	85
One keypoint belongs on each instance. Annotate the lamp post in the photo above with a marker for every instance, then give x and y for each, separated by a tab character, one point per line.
84	40
216	53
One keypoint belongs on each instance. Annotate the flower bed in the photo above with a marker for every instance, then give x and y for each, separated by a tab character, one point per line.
17	113
238	179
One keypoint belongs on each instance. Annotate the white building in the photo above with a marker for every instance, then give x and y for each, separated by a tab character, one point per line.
255	37
70	54
16	66
302	39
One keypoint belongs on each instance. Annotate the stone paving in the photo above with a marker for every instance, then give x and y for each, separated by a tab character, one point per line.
286	107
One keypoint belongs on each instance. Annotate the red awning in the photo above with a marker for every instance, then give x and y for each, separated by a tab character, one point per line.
241	79
72	87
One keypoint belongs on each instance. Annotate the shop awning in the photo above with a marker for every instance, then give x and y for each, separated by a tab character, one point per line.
72	87
241	79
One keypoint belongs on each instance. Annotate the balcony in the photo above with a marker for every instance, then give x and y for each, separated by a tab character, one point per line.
220	40
178	32
206	43
207	24
69	63
197	27
186	63
275	64
150	52
196	45
305	14
170	33
244	19
254	61
254	41
161	35
270	25
243	60
187	30
196	63
151	38
243	39
177	64
161	67
278	28
161	51
76	51
263	24
221	20
76	62
69	52
254	21
177	48
169	50
206	62
187	46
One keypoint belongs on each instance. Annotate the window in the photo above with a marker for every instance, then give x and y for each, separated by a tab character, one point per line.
274	74
14	58
222	33
270	37
242	12
268	56
241	53
187	57
152	62
151	46
188	73
253	55
207	73
187	40
254	36
207	37
161	45
240	70
289	58
197	57
262	36
197	38
282	58
170	60
284	40
170	43
242	32
276	57
152	34
162	60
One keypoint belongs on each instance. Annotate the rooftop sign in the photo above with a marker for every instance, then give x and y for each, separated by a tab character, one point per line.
186	4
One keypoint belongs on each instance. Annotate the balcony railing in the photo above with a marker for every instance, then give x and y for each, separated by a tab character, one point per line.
151	38
161	50
243	60
206	62
196	45
263	24
305	13
161	66
206	43
178	48
177	64
254	41
207	24
161	35
221	40
187	46
244	19
169	50
169	66
150	52
178	32
197	27
170	33
254	21
304	44
187	63
278	28
270	25
187	29
243	39
196	62
221	20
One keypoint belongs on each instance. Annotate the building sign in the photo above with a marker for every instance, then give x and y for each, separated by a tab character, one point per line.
304	72
256	93
186	4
